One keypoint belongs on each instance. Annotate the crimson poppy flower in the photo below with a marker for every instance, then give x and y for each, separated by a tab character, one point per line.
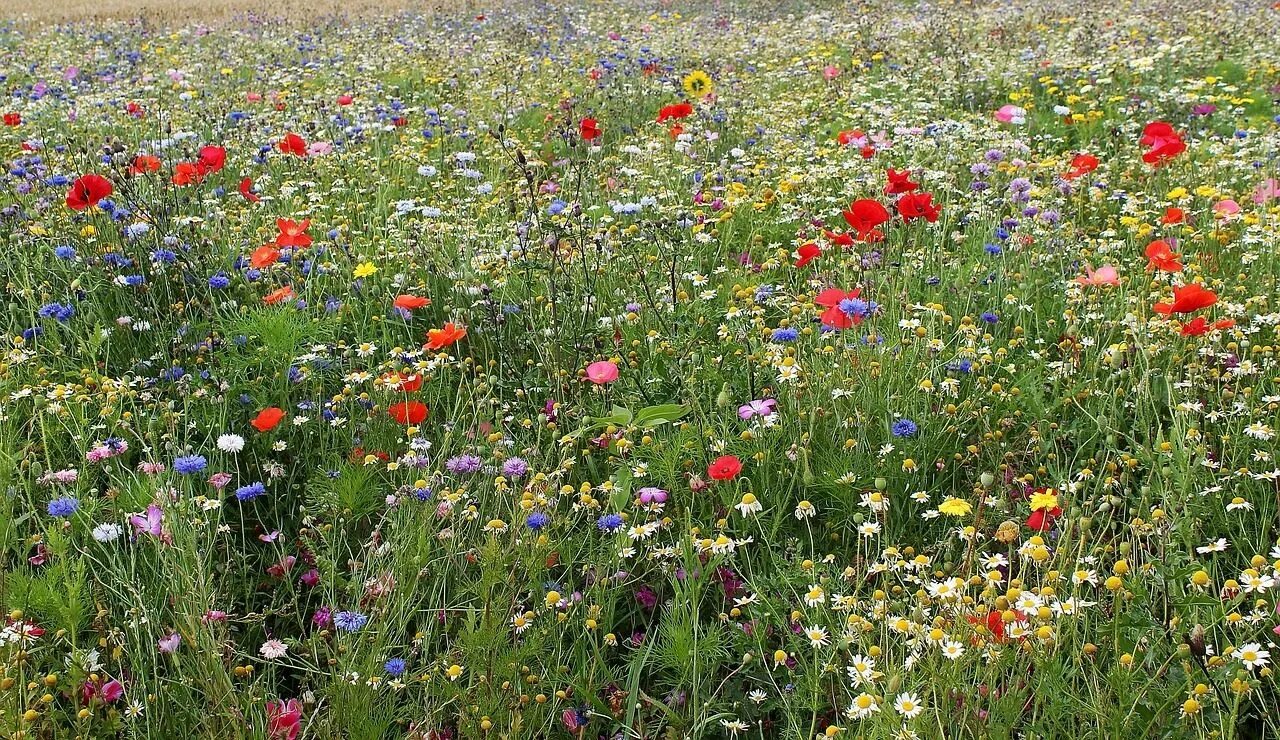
186	173
1041	520
835	316
144	163
675	111
1081	165
409	384
279	295
1173	215
211	159
847	137
87	191
408	412
264	256
267	419
864	216
1200	326
808	253
589	129
840	240
725	467
441	338
1163	143
293	144
899	182
867	151
12	119
410	302
246	189
1160	256
345	99
293	233
1187	299
918	205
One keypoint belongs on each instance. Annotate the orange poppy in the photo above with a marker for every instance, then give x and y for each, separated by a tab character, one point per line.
264	256
279	295
411	302
408	412
267	419
443	337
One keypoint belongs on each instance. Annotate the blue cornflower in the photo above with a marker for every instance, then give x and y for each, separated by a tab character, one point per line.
57	311
537	520
350	621
993	249
190	464
65	506
65	252
989	317
904	428
609	523
219	281
785	334
164	255
394	666
251	491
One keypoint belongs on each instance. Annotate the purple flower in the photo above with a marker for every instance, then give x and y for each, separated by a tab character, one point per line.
461	464
758	407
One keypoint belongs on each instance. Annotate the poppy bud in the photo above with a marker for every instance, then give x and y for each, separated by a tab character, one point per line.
987	480
723	398
881	484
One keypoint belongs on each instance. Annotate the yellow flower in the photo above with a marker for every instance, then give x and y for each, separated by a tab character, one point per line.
697	83
454	672
955	507
365	269
1048	500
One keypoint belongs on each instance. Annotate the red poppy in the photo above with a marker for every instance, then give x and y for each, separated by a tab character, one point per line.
212	159
725	467
589	129
87	191
144	163
840	240
676	111
279	295
867	151
1160	256
1187	299
186	173
675	131
411	302
918	205
441	338
808	253
345	99
899	182
1200	326
1042	520
864	216
246	189
134	109
1173	215
293	233
267	419
12	119
1081	165
293	144
845	138
408	412
833	316
264	256
405	383
1163	143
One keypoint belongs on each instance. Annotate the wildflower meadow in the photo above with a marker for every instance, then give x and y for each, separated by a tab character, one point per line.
624	369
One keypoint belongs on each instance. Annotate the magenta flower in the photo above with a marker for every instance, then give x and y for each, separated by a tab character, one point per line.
758	407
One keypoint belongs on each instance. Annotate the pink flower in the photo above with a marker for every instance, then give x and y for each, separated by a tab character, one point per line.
219	480
319	147
1105	275
830	72
1011	114
759	407
284	719
602	373
1224	208
1268	190
169	643
112	691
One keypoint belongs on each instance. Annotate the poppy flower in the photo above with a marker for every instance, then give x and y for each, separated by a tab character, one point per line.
918	205
410	302
864	216
851	136
267	419
1041	520
293	233
1160	256
844	308
406	383
1081	165
589	129
186	173
1200	326
443	337
144	163
808	253
840	240
1173	215
899	182
279	295
674	112
87	191
408	412
1163	143
345	99
602	373
246	189
293	144
264	256
13	119
212	159
1187	299
1105	275
725	467
1011	114
284	719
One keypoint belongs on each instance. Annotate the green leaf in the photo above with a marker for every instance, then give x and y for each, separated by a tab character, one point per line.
652	416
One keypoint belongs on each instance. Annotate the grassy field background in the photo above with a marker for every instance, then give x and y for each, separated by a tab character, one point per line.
176	11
